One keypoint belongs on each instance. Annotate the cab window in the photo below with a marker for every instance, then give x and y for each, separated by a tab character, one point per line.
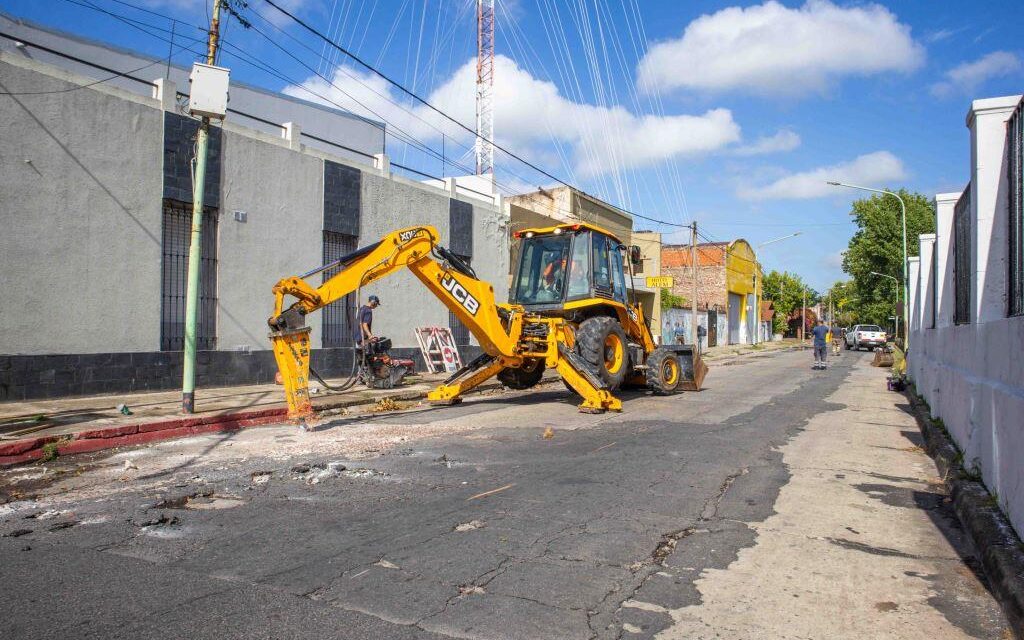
579	267
619	289
602	264
541	277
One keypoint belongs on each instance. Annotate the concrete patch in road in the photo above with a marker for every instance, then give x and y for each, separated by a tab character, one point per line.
488	616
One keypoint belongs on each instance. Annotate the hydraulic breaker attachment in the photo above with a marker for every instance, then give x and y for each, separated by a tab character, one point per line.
291	350
596	397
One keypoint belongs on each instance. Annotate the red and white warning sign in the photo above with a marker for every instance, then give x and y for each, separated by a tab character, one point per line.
437	344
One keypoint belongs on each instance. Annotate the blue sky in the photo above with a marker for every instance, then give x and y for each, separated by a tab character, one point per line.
730	113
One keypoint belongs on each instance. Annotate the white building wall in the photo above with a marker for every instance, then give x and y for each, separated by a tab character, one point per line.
914	300
944	205
972	375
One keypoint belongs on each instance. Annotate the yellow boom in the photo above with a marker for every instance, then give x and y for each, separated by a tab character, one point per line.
498	329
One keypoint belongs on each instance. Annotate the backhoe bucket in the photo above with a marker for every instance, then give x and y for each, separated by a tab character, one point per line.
691	367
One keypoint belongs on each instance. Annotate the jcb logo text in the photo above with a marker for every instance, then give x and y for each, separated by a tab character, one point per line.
459	293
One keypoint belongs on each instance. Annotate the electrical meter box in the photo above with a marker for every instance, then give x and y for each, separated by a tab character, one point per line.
209	93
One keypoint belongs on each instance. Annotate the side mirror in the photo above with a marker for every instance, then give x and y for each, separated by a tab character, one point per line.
635	256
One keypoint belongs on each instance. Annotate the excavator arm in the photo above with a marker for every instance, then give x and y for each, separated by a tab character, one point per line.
451	281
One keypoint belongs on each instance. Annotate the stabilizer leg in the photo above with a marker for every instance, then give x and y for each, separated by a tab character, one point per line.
596	397
449	392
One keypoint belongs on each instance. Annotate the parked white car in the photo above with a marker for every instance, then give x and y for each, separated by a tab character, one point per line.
865	336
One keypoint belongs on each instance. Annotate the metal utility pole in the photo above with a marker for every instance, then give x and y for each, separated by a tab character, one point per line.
484	146
694	338
188	380
803	321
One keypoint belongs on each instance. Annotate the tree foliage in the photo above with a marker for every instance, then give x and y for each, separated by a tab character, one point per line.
877	245
670	300
842	297
786	291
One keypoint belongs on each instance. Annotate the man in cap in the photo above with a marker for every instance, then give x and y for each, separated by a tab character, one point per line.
363	331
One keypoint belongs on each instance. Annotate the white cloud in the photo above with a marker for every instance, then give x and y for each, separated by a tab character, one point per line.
942	34
834	260
530	113
771	49
784	140
967	77
869	170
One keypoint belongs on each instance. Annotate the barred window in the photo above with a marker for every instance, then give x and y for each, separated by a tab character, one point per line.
460	332
962	258
338	317
176	238
1015	220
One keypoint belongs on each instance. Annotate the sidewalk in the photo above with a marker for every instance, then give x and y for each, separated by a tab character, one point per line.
35	429
725	351
862	541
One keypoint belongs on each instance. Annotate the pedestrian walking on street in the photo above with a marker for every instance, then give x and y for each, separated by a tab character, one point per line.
820	333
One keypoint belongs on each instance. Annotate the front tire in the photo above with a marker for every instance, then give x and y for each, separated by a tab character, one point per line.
601	342
664	375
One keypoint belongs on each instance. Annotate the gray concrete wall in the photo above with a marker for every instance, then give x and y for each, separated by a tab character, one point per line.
81	174
80	249
323	122
281	193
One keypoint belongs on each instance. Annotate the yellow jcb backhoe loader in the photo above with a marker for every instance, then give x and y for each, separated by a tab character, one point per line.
568	310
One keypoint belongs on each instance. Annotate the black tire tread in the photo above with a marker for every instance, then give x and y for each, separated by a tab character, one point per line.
590	338
654	380
521	378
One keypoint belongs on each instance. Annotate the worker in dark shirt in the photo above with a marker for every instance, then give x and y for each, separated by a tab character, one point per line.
363	331
820	344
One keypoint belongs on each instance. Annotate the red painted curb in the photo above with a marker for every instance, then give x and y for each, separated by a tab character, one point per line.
21	451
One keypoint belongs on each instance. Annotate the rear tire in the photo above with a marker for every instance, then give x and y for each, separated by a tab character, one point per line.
601	342
664	375
523	377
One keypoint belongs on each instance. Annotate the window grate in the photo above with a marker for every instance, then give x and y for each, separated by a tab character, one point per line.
460	332
962	258
176	238
1015	220
340	314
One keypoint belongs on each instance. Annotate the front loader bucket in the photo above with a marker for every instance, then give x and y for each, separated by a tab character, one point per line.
691	366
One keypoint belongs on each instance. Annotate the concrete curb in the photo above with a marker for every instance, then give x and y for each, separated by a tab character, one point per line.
1002	553
32	449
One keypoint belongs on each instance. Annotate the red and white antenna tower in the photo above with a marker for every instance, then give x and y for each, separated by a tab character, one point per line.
484	146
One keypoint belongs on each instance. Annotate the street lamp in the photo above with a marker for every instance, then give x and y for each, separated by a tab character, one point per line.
782	283
792	235
896	280
903	208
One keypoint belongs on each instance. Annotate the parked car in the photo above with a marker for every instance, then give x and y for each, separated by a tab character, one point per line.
865	336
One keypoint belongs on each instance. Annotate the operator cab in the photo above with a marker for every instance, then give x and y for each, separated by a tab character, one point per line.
568	263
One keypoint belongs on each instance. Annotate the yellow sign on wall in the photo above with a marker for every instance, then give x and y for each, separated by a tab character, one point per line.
660	282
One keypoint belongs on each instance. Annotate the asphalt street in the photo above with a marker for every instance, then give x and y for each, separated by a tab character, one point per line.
511	516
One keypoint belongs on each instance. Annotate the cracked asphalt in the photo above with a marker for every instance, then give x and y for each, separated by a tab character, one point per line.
467	522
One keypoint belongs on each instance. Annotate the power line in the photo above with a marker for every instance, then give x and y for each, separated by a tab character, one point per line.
441	113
